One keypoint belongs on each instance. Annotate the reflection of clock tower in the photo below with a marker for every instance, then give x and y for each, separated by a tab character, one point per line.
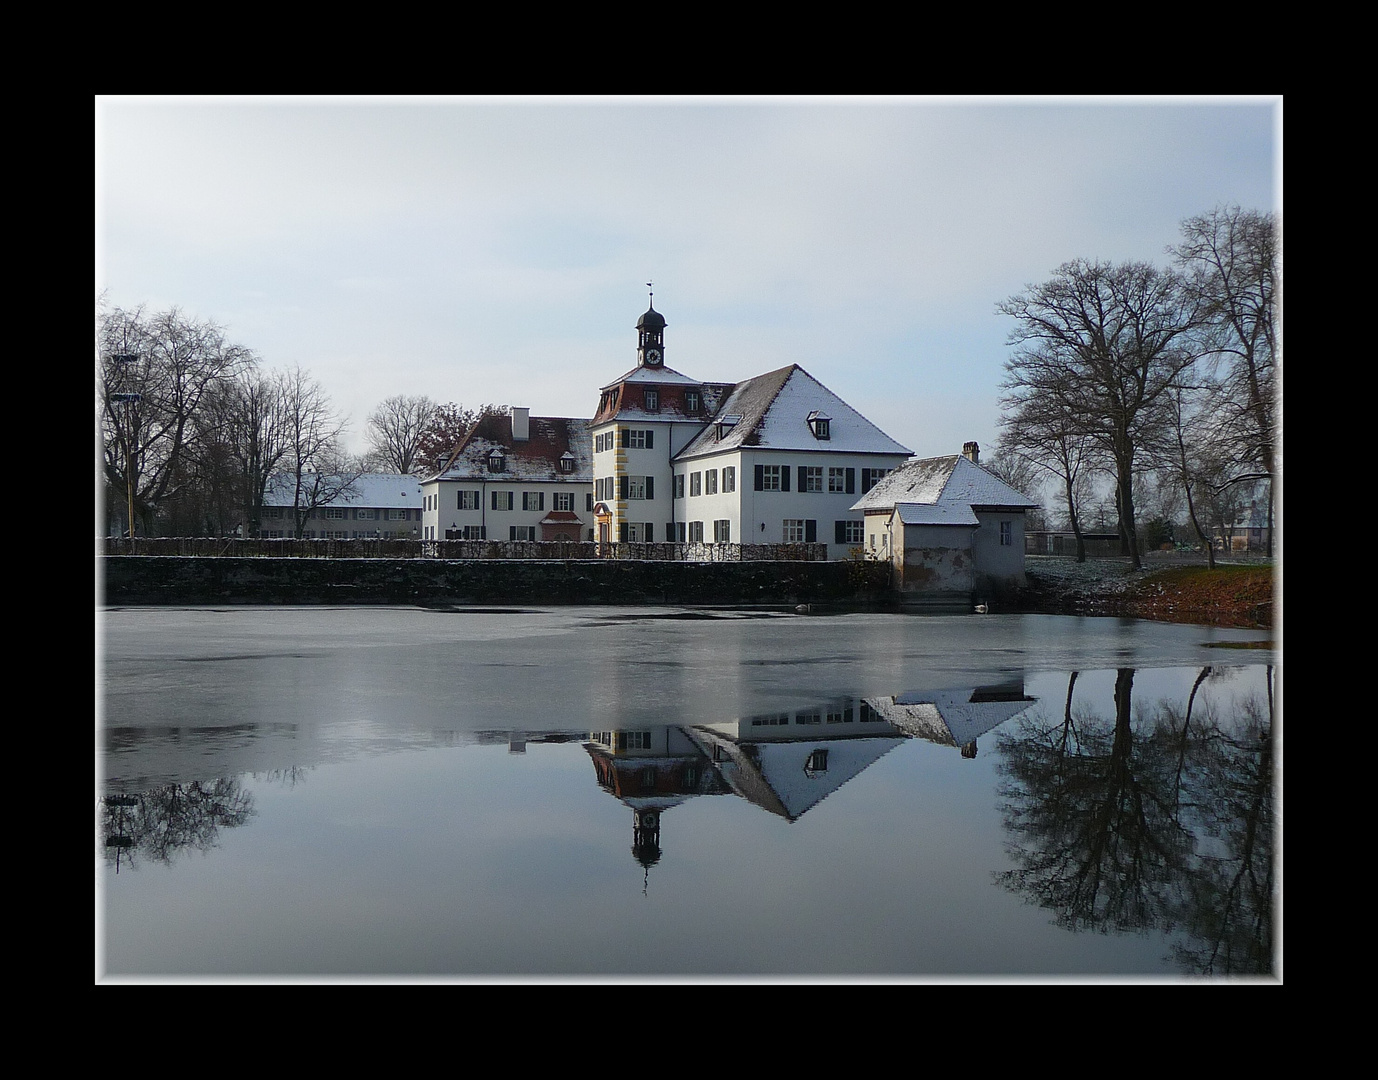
650	329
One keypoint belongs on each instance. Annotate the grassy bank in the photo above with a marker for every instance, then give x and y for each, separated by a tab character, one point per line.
1229	595
1226	596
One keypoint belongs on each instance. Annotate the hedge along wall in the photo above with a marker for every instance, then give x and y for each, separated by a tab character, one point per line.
151	579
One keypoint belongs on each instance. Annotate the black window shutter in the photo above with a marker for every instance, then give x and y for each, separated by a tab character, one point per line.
650	487
851	481
760	477
865	481
784	477
588	500
495	500
810	531
803	483
622	489
650	441
540	500
650	533
511	532
840	531
623	438
622	532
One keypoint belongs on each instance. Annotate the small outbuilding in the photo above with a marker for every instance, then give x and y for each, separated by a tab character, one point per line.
952	530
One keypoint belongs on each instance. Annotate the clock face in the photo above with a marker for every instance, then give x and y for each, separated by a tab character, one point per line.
653	356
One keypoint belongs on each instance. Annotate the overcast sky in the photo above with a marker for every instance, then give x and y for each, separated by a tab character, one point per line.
480	250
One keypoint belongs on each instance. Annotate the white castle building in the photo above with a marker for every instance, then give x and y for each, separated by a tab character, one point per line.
776	459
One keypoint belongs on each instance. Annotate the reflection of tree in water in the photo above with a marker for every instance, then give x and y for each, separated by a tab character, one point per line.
1097	841
1158	819
1227	907
160	822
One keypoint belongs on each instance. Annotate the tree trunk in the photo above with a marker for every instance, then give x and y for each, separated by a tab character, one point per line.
1076	525
1270	517
1124	499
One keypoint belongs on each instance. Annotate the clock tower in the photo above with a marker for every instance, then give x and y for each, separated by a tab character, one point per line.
650	330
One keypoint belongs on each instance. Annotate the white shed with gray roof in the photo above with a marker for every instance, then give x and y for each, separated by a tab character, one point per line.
953	531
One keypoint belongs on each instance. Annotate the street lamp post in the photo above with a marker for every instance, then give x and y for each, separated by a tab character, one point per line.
128	400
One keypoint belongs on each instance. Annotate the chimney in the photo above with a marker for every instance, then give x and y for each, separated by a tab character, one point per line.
972	453
521	424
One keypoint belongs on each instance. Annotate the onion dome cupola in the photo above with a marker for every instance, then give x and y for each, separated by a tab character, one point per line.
650	333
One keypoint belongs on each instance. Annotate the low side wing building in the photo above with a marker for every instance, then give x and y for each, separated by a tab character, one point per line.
514	477
953	531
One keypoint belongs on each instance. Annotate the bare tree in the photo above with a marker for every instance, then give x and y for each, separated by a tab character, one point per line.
1183	461
395	430
1103	344
448	426
154	372
1036	429
1229	257
315	470
251	416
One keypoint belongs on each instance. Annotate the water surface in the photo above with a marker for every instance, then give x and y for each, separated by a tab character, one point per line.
652	793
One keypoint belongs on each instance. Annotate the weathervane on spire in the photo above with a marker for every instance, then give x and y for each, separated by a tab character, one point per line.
653	295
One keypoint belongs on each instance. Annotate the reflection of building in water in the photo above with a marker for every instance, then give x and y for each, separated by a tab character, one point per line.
953	717
788	762
650	770
785	762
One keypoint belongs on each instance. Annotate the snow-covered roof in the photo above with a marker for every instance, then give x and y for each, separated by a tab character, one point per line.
936	514
950	717
536	458
775	409
388	491
642	374
623	399
949	481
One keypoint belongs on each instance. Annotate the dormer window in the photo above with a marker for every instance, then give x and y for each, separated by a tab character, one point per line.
727	423
820	424
653	401
566	462
692	401
496	462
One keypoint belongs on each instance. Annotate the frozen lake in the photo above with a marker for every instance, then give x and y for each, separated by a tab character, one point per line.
656	793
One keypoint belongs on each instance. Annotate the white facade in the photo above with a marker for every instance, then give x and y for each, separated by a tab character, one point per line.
632	474
781	462
796	497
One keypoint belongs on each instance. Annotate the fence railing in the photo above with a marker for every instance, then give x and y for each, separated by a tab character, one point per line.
558	550
1098	547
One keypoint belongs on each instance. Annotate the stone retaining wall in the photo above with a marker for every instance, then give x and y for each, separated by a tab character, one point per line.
130	580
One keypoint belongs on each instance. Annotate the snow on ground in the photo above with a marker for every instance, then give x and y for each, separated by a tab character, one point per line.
1064	573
